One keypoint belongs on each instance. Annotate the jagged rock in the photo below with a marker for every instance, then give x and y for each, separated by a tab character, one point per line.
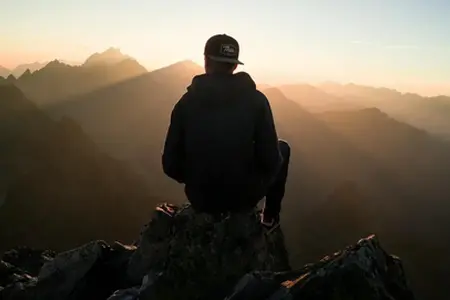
185	255
363	271
20	265
92	271
196	256
10	274
27	259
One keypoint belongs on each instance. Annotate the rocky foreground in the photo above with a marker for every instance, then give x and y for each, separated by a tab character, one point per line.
182	255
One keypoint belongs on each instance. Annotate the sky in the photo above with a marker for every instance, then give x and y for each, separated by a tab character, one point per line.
403	44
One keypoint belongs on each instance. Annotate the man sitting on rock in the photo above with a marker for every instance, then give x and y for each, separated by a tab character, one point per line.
222	143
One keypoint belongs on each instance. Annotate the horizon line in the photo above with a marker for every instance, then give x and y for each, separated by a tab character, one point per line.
313	83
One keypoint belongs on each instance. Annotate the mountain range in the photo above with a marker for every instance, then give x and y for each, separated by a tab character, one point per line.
428	113
22	68
57	80
361	160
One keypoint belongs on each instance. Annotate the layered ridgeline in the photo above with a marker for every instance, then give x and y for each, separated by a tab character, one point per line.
428	113
352	173
22	68
57	80
57	189
181	254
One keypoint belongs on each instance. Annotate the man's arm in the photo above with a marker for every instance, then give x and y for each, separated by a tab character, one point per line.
266	142
173	154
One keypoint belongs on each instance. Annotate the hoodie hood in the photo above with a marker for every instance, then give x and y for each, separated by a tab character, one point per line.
214	84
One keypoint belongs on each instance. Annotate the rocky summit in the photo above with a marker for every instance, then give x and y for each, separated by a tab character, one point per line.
185	255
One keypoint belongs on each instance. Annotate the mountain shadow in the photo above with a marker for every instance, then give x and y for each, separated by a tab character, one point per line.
57	189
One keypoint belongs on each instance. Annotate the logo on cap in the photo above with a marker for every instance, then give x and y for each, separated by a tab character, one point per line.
228	50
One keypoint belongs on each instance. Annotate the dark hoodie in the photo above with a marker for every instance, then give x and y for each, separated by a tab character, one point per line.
222	143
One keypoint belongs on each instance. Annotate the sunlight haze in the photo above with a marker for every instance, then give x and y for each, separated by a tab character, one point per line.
131	167
400	44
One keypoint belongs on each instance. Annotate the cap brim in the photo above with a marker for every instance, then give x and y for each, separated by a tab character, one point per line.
225	60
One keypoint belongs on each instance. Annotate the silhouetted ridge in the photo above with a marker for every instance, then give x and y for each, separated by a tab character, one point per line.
57	80
315	99
184	70
110	56
54	64
25	75
53	175
370	118
20	69
274	93
428	113
11	78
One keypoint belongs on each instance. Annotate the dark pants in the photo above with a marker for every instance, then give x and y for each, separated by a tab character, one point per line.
200	197
275	192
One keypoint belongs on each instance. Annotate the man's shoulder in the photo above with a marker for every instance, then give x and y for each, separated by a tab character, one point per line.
259	97
260	94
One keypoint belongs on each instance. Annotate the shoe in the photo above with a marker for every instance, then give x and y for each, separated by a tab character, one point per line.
270	222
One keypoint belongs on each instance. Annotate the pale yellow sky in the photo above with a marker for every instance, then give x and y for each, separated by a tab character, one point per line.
397	44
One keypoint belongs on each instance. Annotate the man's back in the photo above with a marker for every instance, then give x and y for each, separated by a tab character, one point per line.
222	142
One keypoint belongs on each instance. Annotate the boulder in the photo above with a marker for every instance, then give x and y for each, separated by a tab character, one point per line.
92	271
27	259
363	271
199	256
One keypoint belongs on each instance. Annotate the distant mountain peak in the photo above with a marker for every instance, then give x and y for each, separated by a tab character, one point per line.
181	69
25	74
186	64
20	69
113	50
110	56
274	92
54	62
54	65
11	77
4	72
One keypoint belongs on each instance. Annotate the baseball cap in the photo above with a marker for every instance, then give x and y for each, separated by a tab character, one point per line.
223	48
